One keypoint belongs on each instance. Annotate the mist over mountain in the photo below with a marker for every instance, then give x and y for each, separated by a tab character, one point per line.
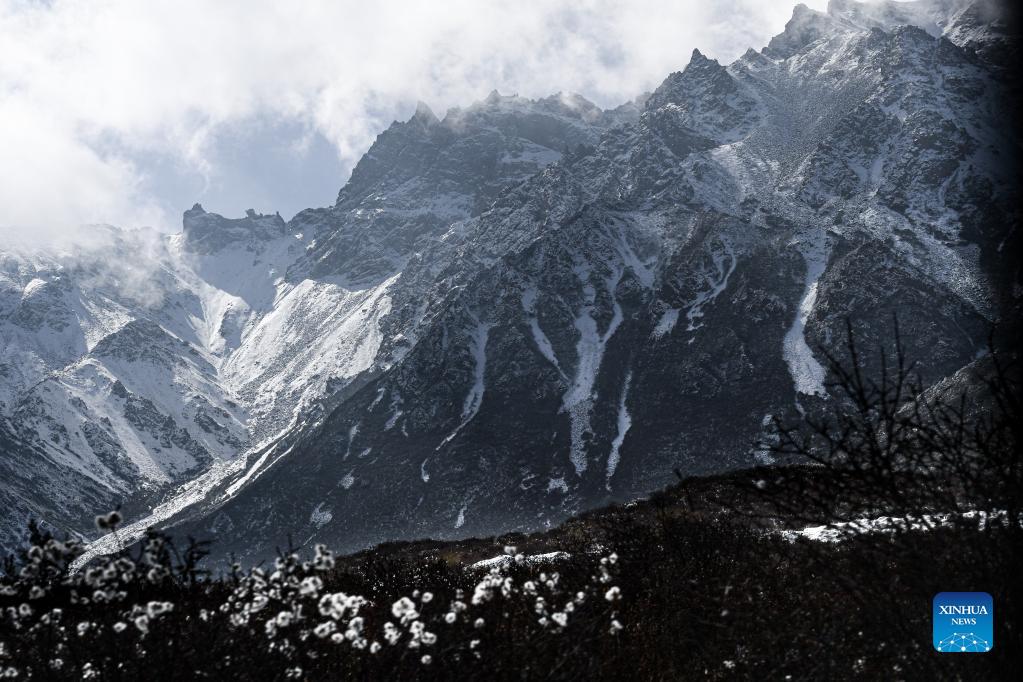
525	308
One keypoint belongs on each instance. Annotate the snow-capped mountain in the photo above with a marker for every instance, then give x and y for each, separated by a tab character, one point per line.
133	362
529	308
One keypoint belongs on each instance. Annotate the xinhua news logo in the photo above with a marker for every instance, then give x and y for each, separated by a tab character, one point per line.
963	622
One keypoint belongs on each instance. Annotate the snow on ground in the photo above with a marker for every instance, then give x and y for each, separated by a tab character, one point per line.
234	284
193	492
352	433
666	324
717	280
807	373
643	270
624	422
539	337
557	484
200	490
532	559
320	517
478	348
578	398
838	531
393	419
318	330
479	356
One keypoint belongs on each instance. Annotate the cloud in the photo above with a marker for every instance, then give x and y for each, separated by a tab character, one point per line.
125	112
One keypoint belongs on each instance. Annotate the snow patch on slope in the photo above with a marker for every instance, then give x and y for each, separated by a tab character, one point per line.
317	331
539	337
807	373
479	355
478	348
578	400
624	422
192	493
320	517
717	280
666	324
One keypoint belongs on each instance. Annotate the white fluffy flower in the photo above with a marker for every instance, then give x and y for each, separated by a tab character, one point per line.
157	608
324	629
405	610
310	586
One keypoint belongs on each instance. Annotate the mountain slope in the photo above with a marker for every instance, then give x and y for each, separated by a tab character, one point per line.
650	299
139	362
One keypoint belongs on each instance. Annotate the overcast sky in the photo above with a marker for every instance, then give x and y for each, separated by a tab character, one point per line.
127	111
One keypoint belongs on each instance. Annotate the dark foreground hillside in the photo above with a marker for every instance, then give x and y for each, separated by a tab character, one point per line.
674	587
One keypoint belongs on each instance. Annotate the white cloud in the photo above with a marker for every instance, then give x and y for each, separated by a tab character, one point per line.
118	111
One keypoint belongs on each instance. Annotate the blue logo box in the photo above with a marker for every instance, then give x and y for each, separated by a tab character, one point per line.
963	622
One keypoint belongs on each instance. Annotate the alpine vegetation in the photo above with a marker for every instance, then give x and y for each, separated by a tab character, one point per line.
127	615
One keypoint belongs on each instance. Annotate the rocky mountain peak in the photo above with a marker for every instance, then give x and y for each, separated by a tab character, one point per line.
932	16
805	26
702	101
698	60
701	77
424	115
209	232
990	29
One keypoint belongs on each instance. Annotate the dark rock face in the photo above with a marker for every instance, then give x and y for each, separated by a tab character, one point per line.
425	176
35	487
208	232
805	27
